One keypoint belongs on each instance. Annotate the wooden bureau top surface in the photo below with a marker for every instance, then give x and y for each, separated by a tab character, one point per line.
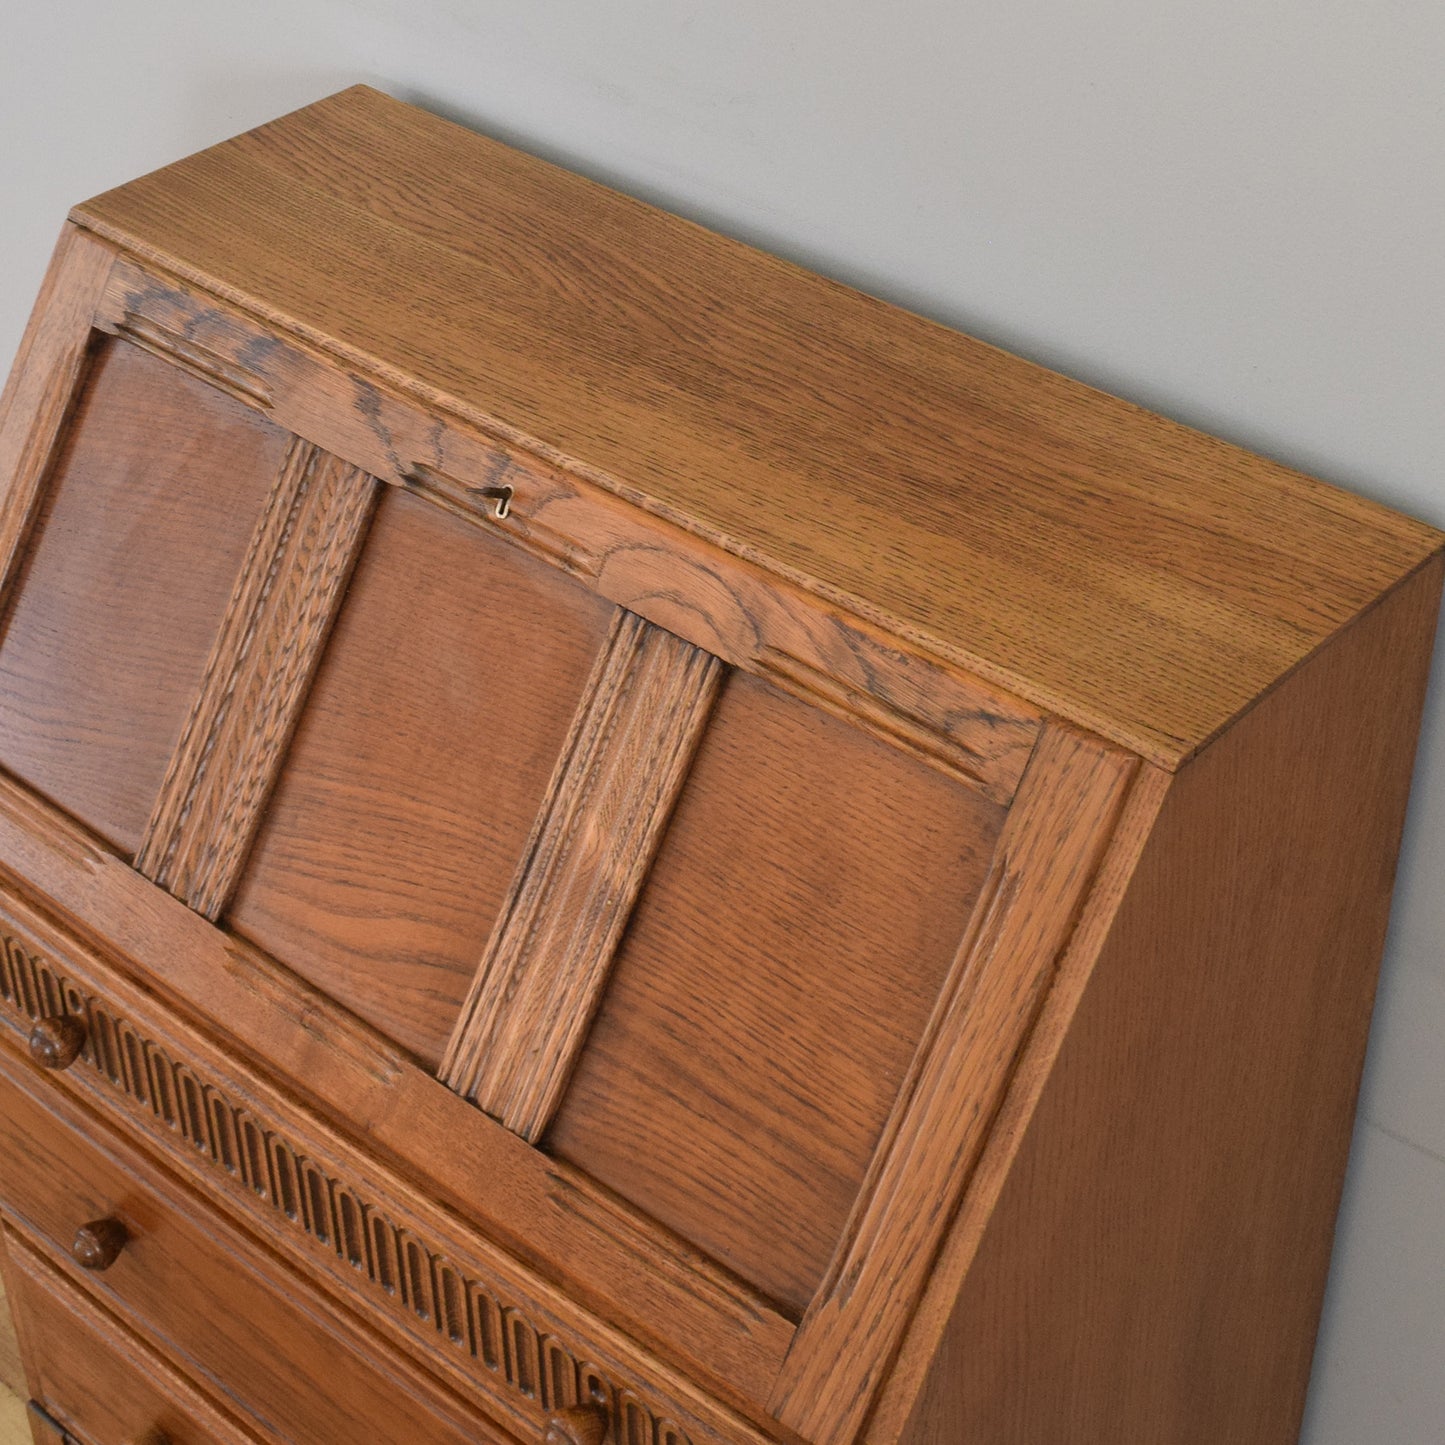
1130	574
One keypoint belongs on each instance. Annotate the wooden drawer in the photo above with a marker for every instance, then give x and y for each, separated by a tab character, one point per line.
256	1336
518	1347
93	1377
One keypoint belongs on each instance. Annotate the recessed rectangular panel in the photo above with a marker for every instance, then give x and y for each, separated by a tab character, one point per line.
418	768
778	973
146	517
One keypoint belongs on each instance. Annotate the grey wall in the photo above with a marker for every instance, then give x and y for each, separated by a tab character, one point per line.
1233	213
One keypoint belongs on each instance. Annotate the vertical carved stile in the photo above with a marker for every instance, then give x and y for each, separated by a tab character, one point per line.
226	761
546	964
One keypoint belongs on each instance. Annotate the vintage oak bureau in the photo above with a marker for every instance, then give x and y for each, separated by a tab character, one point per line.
603	839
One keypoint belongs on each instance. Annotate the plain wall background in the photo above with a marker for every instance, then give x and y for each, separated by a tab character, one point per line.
1233	213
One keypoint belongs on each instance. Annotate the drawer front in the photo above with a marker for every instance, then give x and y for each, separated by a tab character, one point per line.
517	1347
94	1378
258	1338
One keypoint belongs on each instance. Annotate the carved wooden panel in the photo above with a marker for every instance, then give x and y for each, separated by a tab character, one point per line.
454	1176
417	769
750	617
280	613
777	974
191	1285
152	500
752	929
646	706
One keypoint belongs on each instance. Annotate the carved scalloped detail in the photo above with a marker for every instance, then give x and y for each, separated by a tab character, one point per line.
409	1275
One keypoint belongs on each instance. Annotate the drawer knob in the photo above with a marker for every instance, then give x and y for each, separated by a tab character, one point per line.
98	1244
56	1042
581	1425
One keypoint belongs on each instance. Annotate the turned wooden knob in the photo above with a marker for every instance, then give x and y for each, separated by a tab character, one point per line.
581	1425
56	1042
98	1244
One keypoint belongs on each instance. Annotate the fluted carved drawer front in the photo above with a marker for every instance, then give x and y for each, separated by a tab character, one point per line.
504	1336
95	1378
252	1334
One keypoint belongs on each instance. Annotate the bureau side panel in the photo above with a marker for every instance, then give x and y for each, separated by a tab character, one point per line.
1155	1266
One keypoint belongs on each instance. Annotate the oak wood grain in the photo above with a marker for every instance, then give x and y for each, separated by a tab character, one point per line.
147	513
1174	1194
277	1351
49	367
412	781
542	976
921	1342
279	616
235	377
12	1374
43	1430
96	1379
1047	854
749	616
714	768
567	1257
1132	575
774	981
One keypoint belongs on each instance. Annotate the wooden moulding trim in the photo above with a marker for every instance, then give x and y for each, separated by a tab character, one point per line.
1047	856
44	1428
277	621
240	384
497	1337
125	1173
734	608
546	1240
45	381
546	965
895	1404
